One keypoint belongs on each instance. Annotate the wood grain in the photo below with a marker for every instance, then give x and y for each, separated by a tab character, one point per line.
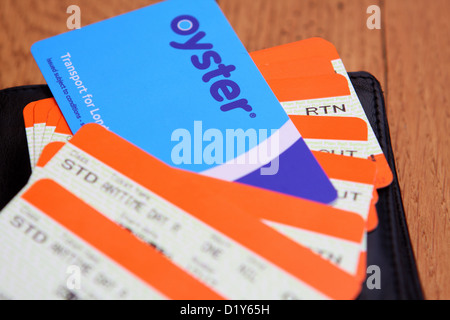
418	73
410	56
23	22
262	24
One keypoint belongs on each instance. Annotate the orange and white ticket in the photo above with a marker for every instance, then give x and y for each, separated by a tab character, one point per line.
54	246
196	231
335	234
318	95
28	116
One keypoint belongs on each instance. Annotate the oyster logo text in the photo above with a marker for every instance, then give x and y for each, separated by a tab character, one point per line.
222	88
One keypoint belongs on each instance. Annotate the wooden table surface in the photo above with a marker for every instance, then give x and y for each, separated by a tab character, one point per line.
410	56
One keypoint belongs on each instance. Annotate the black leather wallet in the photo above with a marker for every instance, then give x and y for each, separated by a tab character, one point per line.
389	246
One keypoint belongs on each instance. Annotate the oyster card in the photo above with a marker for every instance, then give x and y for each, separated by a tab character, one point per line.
174	79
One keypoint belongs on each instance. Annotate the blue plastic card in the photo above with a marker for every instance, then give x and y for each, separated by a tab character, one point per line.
174	79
